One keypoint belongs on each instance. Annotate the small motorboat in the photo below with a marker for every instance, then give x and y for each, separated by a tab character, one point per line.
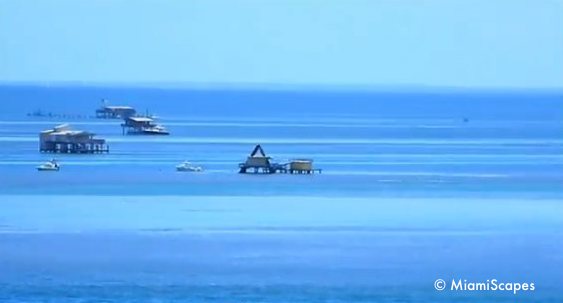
155	130
52	165
187	166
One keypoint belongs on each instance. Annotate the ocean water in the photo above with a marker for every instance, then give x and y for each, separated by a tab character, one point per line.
415	187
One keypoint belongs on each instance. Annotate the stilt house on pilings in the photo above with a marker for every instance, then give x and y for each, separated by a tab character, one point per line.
258	162
114	112
63	139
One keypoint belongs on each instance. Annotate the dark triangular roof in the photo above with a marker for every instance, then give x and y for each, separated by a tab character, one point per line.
258	152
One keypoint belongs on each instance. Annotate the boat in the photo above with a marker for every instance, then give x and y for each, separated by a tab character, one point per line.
139	125
49	166
188	167
155	130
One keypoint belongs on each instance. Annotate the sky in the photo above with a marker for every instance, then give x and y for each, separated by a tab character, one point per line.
451	43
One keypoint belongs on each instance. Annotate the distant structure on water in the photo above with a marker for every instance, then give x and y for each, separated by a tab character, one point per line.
114	112
302	166
259	163
133	124
62	139
142	126
38	113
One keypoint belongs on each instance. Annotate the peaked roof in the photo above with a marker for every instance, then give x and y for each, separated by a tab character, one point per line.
258	152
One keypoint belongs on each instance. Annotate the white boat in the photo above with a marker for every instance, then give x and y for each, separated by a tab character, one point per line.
49	166
187	166
155	130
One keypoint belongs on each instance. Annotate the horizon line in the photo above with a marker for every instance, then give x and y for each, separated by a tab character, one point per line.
284	87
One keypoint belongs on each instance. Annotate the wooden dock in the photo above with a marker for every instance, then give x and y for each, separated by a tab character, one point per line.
275	168
286	169
65	148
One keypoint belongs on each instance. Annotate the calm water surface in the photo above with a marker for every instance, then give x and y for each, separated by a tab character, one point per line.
415	187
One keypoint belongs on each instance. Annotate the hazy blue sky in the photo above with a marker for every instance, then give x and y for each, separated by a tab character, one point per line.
469	43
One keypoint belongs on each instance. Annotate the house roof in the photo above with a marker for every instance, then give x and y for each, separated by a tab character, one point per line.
258	152
302	160
65	130
119	107
62	127
140	119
